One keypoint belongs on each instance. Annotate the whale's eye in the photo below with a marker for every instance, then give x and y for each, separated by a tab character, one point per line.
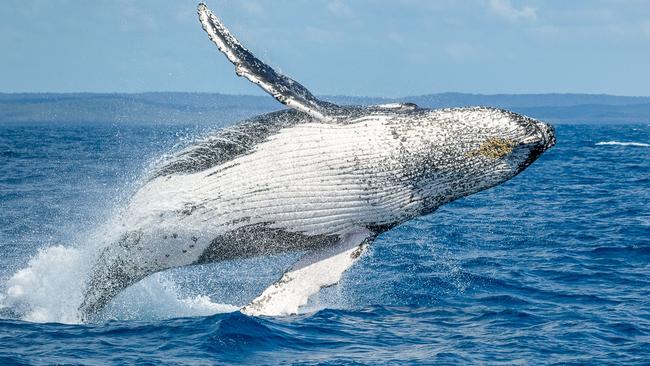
494	148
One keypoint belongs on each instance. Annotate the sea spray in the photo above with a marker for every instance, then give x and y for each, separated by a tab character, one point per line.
49	289
159	297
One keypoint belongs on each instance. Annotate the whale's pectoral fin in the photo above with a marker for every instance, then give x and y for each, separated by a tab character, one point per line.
284	89
317	269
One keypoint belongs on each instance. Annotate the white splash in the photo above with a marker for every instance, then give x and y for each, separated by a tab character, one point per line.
50	289
619	143
158	297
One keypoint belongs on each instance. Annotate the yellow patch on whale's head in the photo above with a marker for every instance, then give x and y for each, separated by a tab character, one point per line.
494	148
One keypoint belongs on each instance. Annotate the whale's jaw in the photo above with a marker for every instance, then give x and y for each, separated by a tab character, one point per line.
541	138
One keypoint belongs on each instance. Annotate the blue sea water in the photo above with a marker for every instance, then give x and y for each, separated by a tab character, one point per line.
552	267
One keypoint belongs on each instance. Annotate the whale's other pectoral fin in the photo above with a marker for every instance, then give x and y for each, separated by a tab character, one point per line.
317	269
286	90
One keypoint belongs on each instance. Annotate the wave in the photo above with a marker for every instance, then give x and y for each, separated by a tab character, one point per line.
619	143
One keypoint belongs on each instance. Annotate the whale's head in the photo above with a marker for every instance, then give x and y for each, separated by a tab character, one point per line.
451	153
503	143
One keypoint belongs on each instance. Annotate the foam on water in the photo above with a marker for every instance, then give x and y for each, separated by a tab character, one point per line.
50	289
619	143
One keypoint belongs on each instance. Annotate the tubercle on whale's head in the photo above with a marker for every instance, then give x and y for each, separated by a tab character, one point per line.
472	149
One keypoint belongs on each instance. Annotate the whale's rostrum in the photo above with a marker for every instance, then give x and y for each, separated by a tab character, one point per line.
318	177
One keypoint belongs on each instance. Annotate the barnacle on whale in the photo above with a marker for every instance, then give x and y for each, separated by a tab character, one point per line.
494	148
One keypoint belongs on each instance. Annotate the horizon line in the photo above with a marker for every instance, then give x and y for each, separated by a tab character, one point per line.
328	95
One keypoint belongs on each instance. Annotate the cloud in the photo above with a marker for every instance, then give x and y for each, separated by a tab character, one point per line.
645	29
506	10
463	51
253	7
395	37
322	35
136	18
340	8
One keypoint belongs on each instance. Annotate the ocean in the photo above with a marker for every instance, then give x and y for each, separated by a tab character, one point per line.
552	267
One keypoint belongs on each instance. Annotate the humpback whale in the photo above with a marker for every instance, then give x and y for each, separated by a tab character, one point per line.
316	177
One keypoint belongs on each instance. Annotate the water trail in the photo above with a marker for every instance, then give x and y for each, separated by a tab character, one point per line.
619	143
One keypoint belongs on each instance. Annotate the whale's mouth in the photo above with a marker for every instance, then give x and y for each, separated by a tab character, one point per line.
542	140
541	135
547	133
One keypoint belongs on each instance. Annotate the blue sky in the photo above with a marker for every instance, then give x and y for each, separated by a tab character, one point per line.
385	48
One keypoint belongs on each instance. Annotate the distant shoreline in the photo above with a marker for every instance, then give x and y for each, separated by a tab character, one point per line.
208	108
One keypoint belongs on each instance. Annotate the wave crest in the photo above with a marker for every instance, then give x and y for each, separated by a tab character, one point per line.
620	143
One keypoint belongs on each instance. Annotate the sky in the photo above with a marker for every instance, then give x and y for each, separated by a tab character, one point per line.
388	48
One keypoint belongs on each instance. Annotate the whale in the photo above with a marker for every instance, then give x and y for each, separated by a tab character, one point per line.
316	178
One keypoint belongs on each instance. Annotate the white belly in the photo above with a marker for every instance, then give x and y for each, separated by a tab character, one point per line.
310	179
